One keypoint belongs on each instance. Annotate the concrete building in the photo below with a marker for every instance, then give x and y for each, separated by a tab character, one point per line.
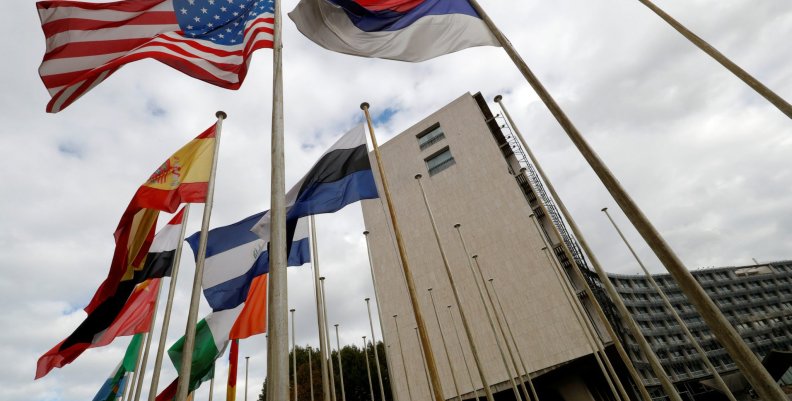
472	176
756	299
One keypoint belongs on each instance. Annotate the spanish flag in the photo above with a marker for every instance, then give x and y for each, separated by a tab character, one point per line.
182	178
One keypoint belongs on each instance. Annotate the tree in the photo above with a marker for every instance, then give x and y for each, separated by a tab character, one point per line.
355	379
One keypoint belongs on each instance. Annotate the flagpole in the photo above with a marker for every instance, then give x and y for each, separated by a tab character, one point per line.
462	352
401	351
294	355
211	388
326	329
416	309
320	316
340	367
514	340
445	346
481	298
740	73
247	365
584	244
724	332
182	388
131	393
577	307
310	369
371	323
277	316
144	362
423	360
577	271
454	291
368	369
667	303
502	331
168	307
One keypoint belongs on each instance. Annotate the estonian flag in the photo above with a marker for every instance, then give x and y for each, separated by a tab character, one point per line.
341	176
404	30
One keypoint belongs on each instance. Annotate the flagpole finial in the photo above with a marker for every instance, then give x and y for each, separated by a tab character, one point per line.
364	106
321	278
490	280
604	209
367	299
544	248
418	176
474	256
457	225
498	98
336	325
292	310
531	215
221	115
429	289
366	232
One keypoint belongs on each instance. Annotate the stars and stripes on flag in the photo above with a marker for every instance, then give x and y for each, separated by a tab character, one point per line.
210	40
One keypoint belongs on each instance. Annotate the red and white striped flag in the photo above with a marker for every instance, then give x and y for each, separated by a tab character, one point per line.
211	40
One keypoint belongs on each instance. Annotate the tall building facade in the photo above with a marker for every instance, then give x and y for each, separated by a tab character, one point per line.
756	299
472	177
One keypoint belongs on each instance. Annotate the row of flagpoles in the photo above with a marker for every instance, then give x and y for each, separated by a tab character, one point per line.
65	92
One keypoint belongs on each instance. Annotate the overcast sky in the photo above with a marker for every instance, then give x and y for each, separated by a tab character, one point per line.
706	158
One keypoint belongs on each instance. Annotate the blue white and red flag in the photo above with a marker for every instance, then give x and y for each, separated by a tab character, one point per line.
405	30
210	40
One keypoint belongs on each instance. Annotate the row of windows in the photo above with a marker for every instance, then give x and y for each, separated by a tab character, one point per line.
441	159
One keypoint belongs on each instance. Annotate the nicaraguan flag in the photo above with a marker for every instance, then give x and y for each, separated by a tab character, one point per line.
404	30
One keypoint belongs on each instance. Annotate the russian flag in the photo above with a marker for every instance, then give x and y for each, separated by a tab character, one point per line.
404	30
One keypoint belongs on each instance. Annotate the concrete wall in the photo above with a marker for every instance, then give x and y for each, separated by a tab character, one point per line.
480	193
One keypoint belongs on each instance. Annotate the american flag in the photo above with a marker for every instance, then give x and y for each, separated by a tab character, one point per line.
211	40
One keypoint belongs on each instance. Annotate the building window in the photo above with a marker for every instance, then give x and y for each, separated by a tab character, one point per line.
430	137
440	161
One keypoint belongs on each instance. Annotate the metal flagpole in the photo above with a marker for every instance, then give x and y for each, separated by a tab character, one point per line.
419	319
247	365
192	316
445	347
320	316
462	351
127	386
501	330
168	308
211	388
340	367
131	393
465	324
483	303
740	73
667	303
294	355
371	324
310	369
374	341
514	340
761	381
401	351
368	369
577	271
326	328
584	244
277	306
144	362
577	308
423	361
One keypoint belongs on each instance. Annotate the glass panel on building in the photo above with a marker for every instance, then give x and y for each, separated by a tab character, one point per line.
430	137
440	161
